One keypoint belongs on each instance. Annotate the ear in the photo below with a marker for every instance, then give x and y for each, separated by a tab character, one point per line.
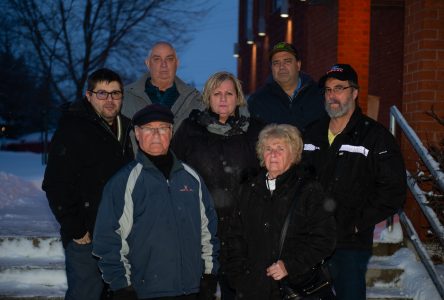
355	94
88	95
137	132
298	63
147	62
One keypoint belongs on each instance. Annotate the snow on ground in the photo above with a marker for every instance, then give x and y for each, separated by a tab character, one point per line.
31	255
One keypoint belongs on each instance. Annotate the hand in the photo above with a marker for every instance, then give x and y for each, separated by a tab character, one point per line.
127	293
86	239
208	286
277	270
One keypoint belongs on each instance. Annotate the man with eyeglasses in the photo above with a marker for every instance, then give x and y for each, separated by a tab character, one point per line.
361	169
156	229
161	85
88	147
291	96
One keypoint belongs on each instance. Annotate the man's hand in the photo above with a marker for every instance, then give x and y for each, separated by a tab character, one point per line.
86	239
208	286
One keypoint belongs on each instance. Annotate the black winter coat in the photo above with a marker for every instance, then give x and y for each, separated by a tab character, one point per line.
272	105
363	171
84	154
254	236
223	161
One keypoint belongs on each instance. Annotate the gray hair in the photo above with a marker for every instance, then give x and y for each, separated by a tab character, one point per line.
288	133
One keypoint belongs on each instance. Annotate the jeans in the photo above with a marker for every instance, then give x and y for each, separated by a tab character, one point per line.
347	269
83	274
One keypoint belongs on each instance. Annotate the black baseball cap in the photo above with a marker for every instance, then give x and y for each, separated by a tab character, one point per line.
342	72
284	47
152	113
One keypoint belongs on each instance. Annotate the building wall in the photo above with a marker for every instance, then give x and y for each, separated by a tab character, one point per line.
423	83
386	55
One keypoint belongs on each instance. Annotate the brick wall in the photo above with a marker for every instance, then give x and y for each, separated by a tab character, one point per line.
386	56
423	84
354	41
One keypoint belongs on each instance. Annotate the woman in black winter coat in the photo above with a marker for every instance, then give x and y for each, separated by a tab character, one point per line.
255	266
219	143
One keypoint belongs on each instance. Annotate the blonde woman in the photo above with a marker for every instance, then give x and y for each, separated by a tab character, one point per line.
219	142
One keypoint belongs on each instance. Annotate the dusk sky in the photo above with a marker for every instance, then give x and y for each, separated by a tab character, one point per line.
211	48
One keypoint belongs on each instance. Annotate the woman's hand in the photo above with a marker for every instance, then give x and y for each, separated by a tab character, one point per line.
277	270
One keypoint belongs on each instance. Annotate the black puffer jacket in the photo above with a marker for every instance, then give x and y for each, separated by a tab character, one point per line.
223	160
84	154
362	170
254	236
272	105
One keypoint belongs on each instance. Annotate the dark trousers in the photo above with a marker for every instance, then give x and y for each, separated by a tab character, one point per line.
347	269
83	274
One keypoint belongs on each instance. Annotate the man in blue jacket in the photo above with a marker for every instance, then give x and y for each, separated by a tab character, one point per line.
291	97
155	234
361	168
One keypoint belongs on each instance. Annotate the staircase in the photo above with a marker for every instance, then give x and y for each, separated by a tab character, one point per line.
32	268
395	272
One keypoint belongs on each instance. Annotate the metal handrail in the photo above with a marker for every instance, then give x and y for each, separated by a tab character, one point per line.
427	211
431	164
397	118
422	253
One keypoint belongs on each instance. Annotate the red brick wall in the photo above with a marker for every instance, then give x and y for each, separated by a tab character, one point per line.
386	56
321	31
423	84
354	41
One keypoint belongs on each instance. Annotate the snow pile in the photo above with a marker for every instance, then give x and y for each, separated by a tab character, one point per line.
394	236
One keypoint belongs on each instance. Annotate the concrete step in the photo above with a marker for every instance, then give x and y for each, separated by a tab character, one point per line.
386	293
386	249
383	272
32	268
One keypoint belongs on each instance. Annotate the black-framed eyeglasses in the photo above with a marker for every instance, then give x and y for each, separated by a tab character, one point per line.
103	95
337	90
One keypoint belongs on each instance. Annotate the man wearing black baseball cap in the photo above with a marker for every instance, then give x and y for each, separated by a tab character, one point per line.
291	97
155	234
362	171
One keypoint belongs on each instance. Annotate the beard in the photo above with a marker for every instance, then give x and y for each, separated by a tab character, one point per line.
341	110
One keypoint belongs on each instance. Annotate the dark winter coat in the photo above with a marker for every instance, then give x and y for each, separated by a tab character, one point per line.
254	237
363	171
154	234
223	160
84	154
272	105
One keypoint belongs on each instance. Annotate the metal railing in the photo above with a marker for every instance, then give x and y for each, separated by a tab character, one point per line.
396	118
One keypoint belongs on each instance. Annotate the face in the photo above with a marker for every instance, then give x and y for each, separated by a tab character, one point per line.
285	68
223	100
109	108
162	64
277	156
339	102
154	138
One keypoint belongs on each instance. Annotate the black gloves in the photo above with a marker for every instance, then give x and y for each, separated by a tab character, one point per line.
127	293
208	286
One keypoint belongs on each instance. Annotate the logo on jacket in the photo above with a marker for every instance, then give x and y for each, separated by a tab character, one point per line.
186	189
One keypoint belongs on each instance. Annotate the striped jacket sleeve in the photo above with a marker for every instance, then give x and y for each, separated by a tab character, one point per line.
113	225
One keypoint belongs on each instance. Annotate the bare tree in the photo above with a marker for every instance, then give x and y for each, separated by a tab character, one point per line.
70	38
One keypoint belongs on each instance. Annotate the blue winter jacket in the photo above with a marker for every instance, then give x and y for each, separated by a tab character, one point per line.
155	234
